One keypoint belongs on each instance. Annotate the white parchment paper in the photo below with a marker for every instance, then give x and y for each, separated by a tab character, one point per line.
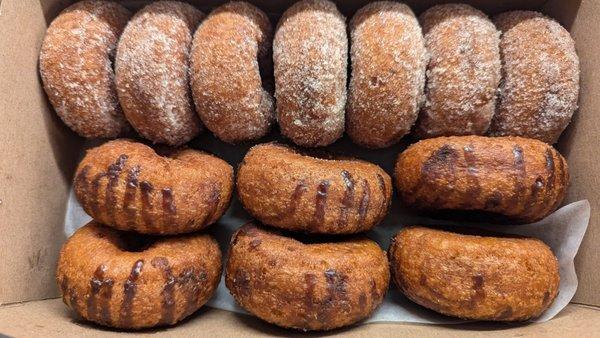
562	231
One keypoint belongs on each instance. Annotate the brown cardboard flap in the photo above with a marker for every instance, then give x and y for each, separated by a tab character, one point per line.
37	161
50	318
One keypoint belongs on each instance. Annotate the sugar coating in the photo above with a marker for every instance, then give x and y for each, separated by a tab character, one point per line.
152	72
463	72
310	57
76	67
228	50
540	77
388	73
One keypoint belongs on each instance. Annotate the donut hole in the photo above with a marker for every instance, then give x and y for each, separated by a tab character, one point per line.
134	242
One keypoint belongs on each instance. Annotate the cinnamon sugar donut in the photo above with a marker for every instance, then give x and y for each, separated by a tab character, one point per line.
388	73
540	84
463	72
229	49
131	281
310	56
128	186
306	286
152	72
284	188
76	67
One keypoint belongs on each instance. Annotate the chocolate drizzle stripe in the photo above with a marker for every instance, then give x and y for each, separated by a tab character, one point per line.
146	190
520	175
168	206
129	290
81	183
95	195
168	291
212	204
348	199
290	210
100	295
320	203
384	202
364	203
113	172
131	186
550	168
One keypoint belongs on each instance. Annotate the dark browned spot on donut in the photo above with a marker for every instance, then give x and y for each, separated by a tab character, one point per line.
249	230
168	206
362	301
520	176
82	184
190	283
168	291
311	282
290	210
95	194
479	292
131	185
439	161
337	294
74	301
473	187
113	172
146	189
374	292
384	202
129	289
255	243
348	198
550	168
241	283
493	201
321	203
546	298
100	286
363	206
505	314
213	203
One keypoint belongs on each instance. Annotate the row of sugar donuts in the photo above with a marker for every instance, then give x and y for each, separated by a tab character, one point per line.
444	82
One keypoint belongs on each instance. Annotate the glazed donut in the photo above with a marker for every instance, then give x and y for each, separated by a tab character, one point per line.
318	286
388	74
229	49
540	82
76	67
126	281
522	179
281	187
152	72
473	277
310	58
463	72
128	186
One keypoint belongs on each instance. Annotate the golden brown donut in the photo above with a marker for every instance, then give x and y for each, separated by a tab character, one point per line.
128	186
540	82
388	74
152	72
474	277
310	56
229	49
281	187
77	69
132	281
463	72
318	286
523	179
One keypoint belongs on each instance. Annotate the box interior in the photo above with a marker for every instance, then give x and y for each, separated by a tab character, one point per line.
39	153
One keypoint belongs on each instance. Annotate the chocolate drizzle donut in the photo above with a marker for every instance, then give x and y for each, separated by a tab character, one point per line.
128	186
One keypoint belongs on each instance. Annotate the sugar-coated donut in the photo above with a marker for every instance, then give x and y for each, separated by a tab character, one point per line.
540	82
152	72
76	66
281	187
318	286
229	49
474	277
522	179
388	74
310	58
463	72
128	186
131	281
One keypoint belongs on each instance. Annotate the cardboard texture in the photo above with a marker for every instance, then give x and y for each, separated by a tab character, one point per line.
39	155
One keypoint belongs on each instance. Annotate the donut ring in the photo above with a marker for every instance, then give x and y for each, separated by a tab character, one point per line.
540	81
388	58
106	281
305	286
76	67
128	186
228	50
283	188
474	277
152	72
463	72
522	179
310	56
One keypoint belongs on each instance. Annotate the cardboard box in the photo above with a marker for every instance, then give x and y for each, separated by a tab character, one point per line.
39	155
